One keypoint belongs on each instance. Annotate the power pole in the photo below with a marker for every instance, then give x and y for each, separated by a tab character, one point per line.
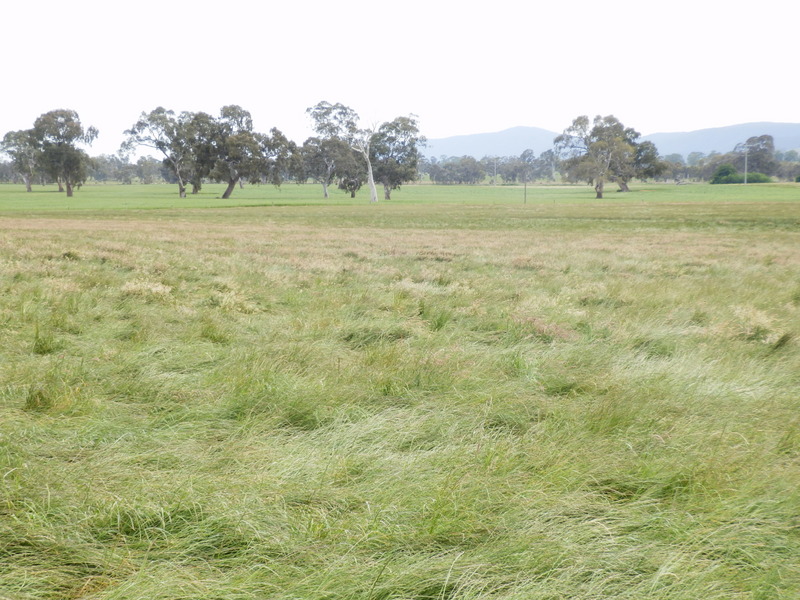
745	164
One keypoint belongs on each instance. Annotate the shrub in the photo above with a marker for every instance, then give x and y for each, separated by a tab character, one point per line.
723	172
758	178
727	174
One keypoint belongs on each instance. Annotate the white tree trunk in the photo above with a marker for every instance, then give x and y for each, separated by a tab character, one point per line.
362	145
373	192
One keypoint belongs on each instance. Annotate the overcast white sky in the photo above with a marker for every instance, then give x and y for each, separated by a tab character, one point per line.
461	67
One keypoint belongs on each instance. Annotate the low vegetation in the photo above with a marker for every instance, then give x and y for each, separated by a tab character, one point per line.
727	174
441	397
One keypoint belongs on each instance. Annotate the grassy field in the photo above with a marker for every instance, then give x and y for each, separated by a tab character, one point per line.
450	396
111	197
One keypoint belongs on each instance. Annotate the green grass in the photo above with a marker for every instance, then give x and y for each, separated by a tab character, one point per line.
113	197
449	396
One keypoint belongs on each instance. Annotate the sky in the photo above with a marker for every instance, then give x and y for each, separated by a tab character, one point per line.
460	67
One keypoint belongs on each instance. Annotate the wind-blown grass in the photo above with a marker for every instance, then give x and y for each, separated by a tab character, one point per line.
394	402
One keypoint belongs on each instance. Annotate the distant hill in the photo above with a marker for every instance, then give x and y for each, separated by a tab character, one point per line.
510	142
514	141
724	139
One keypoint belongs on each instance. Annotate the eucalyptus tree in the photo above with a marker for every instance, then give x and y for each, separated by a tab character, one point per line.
7	173
278	157
470	170
351	172
527	161
508	168
645	164
545	166
162	130
461	170
694	158
200	132
58	134
337	121
605	150
23	150
362	143
676	166
588	150
760	154
323	159
394	153
147	169
334	120
112	167
236	151
490	164
790	156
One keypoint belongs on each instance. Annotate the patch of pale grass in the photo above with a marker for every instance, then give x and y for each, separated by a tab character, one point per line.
752	324
147	289
232	301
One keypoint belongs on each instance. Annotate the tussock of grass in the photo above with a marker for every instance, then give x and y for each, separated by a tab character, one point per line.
421	402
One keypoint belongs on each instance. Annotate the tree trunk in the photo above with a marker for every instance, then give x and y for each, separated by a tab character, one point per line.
27	181
623	186
181	190
69	189
325	189
373	193
599	189
230	188
387	192
60	185
196	187
352	193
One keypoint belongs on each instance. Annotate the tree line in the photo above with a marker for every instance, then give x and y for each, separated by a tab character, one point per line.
595	151
756	158
603	150
194	147
506	169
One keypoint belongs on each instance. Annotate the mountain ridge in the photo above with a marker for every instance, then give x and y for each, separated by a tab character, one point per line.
513	141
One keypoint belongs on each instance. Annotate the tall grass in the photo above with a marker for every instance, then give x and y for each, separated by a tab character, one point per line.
394	402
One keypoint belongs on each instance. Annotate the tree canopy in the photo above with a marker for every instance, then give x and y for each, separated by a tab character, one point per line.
605	150
394	151
759	154
390	152
234	148
57	134
162	130
325	160
337	121
196	146
51	149
23	149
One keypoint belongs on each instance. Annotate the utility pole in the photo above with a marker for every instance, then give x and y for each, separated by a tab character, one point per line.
745	164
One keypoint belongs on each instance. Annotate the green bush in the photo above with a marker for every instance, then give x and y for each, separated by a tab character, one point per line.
723	172
727	174
758	178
